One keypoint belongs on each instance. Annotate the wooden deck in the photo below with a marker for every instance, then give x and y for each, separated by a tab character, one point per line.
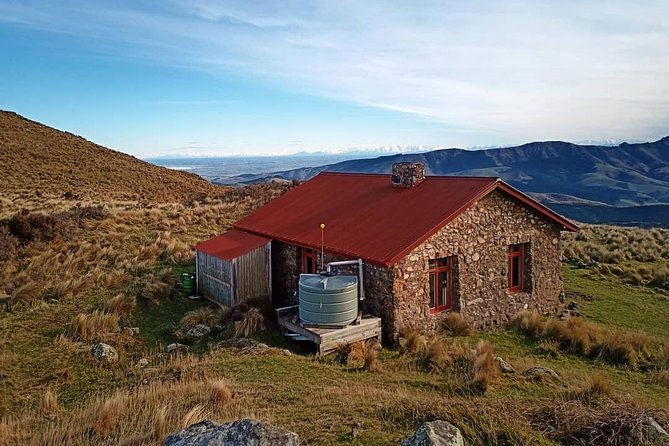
328	338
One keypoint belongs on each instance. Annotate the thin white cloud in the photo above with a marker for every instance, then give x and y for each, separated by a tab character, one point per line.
520	69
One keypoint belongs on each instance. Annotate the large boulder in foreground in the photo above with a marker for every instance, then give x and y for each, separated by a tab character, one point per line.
244	432
435	433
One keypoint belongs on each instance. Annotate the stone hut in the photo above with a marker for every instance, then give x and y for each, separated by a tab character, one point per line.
431	244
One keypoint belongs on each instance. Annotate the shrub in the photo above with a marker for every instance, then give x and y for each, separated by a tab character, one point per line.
121	305
453	324
89	327
28	227
251	323
8	244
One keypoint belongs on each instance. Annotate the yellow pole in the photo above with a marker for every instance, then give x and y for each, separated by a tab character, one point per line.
322	249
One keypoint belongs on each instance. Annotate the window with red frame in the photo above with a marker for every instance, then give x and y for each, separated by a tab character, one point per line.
440	275
516	266
309	257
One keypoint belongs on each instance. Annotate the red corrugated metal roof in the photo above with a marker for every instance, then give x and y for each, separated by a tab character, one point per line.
231	244
366	217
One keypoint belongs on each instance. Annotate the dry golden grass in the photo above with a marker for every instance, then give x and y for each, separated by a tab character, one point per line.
198	413
435	356
204	315
453	324
372	363
34	157
49	404
93	326
251	323
25	296
220	393
412	341
484	367
121	305
530	323
574	335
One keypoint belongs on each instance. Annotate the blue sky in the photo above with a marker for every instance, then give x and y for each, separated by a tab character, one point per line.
173	76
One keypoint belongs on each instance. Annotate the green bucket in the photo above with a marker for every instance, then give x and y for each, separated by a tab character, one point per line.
188	282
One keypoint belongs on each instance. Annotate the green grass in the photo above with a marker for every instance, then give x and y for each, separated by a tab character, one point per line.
611	303
321	400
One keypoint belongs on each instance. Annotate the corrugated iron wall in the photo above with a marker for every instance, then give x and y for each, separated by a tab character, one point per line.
228	282
252	274
215	279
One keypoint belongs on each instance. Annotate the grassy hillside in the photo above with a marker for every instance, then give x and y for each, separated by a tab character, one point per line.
39	160
116	268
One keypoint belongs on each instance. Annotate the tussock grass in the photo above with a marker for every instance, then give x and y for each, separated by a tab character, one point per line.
529	323
220	393
485	368
204	315
412	341
25	296
93	326
575	335
453	324
49	403
372	363
121	305
251	323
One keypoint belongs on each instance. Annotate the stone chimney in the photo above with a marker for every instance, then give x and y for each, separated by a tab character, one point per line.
408	174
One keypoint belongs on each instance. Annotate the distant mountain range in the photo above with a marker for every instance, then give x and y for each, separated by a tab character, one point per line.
623	184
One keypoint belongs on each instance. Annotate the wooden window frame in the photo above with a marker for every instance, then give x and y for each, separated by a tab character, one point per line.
520	255
309	254
436	269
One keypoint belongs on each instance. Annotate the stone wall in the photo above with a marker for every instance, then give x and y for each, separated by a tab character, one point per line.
480	237
286	269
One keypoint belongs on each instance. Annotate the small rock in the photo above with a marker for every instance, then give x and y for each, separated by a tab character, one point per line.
142	363
435	433
654	432
174	347
132	331
504	366
104	352
540	373
244	432
198	331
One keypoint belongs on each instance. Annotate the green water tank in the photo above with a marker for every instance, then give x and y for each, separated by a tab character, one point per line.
188	282
328	300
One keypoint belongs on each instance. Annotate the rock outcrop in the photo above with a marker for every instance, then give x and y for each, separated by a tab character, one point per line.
244	432
435	433
104	352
